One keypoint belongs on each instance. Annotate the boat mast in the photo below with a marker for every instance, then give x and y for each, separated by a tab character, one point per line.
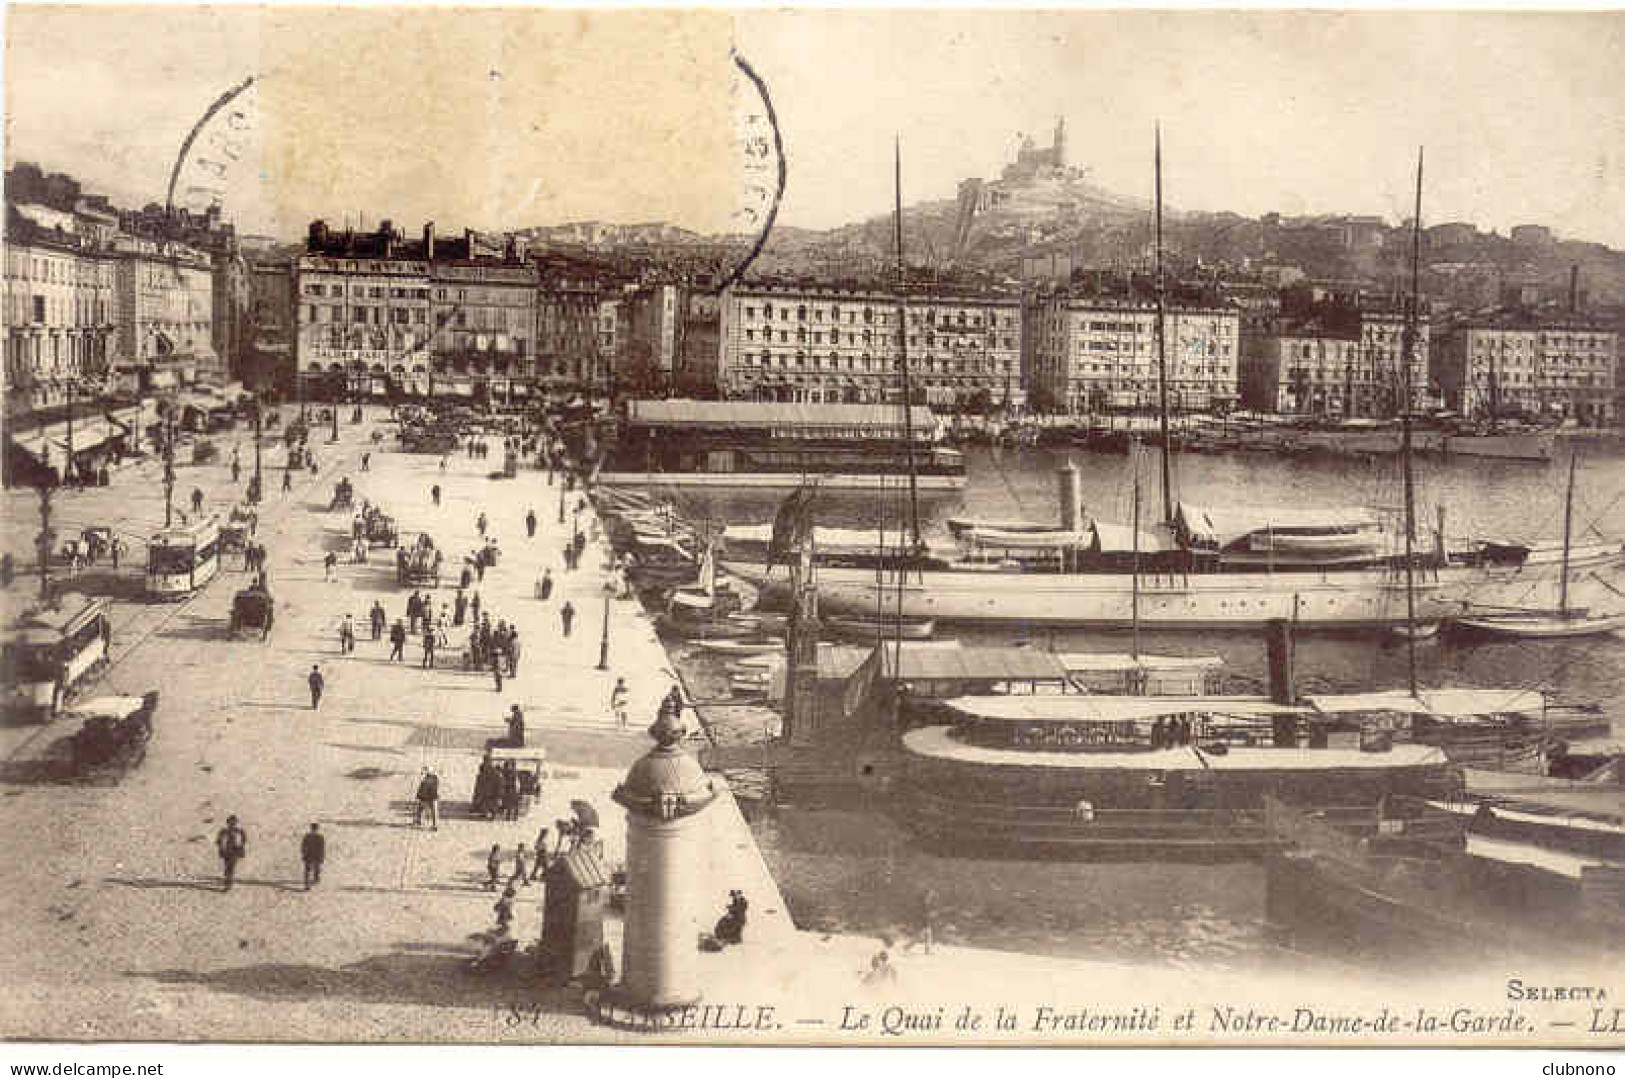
1162	358
1134	644
1568	524
1406	351
902	354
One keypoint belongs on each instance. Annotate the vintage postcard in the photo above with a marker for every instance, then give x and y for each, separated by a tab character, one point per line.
789	527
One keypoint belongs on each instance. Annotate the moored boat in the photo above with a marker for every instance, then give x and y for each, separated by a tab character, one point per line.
860	627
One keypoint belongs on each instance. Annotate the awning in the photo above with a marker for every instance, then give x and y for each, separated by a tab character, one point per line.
1063	709
1222	527
1437	703
1119	539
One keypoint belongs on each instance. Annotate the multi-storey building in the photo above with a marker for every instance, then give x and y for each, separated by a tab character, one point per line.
485	313
567	311
1335	368
60	308
700	345
1516	362
842	345
654	335
1093	353
446	317
165	311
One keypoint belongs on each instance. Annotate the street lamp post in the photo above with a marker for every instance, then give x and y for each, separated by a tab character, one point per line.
169	469
45	491
603	641
254	488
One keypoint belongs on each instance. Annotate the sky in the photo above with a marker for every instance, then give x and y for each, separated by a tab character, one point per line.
507	119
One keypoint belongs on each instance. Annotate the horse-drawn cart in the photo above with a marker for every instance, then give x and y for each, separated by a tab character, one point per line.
419	564
343	494
253	609
112	740
380	528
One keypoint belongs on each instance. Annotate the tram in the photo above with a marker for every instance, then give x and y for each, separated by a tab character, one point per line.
48	655
181	560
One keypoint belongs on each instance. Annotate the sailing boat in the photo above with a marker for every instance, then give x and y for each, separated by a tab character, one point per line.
1213	566
1412	630
1565	621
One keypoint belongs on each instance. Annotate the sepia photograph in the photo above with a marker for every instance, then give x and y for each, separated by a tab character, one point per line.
812	527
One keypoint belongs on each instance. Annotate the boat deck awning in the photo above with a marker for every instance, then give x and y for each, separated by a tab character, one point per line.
1435	703
961	663
1122	663
758	415
938	743
1074	709
1222	527
1119	539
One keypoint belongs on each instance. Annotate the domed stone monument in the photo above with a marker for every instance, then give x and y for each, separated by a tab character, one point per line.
665	795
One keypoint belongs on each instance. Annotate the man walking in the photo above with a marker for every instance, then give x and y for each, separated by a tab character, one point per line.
397	641
378	618
496	667
530	523
428	645
428	800
541	855
521	868
459	609
316	685
328	562
544	590
480	523
313	851
346	636
434	494
231	842
617	702
567	614
197	501
287	480
493	866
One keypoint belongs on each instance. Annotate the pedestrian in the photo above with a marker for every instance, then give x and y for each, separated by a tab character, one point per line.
567	614
428	800
287	480
313	851
197	500
618	697
115	549
377	617
480	523
317	684
544	586
231	843
541	855
434	493
459	608
516	727
346	636
512	651
569	552
467	576
510	791
474	608
328	562
530	524
428	646
366	461
493	866
397	641
496	668
441	639
479	569
521	867
413	609
236	470
503	908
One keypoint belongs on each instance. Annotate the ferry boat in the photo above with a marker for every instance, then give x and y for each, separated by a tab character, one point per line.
752	444
1133	775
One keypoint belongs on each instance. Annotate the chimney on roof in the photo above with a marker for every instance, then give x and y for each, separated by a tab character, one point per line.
1574	288
428	242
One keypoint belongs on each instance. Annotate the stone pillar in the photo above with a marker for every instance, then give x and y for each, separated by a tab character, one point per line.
668	868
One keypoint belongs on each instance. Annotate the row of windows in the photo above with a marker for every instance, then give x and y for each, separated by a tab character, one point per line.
929	316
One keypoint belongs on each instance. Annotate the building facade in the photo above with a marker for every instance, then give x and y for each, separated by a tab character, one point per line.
1350	371
1517	363
60	309
567	314
654	335
838	345
1097	354
165	312
375	314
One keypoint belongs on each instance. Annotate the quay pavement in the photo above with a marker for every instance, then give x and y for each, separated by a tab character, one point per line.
116	927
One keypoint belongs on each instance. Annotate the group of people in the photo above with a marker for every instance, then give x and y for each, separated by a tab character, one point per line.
498	791
1171	732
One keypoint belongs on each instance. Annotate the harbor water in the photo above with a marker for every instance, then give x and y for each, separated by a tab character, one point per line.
853	869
